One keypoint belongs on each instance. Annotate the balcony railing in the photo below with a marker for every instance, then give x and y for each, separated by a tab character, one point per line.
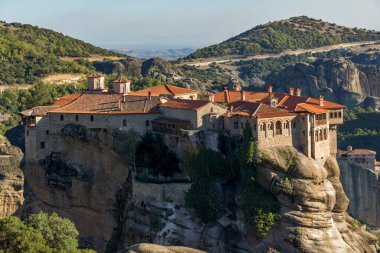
321	122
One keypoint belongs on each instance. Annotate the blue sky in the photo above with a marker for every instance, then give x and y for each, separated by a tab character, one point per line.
177	23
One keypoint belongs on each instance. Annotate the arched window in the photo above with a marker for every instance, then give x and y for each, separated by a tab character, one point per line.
325	133
92	117
320	135
278	128
147	123
76	118
62	117
124	122
316	136
294	124
211	109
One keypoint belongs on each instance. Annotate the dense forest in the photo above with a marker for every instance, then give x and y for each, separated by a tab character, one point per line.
289	34
28	52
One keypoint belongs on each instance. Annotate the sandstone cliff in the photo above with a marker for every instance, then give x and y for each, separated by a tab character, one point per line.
80	180
313	206
339	80
11	178
362	187
152	248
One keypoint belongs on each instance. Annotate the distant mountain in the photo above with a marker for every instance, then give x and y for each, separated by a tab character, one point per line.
167	54
28	52
288	34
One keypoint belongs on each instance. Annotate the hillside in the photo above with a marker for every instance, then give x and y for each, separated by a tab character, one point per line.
289	34
28	52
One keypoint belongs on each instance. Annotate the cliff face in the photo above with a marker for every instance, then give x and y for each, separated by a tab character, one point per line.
339	80
362	186
80	180
313	206
11	178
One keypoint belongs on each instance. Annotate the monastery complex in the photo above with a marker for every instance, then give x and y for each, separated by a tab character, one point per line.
277	119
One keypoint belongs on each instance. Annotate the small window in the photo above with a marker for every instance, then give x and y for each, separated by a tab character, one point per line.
303	133
92	117
27	132
211	109
331	115
147	123
303	119
42	145
255	127
236	125
340	114
62	118
294	124
47	132
124	122
241	125
76	118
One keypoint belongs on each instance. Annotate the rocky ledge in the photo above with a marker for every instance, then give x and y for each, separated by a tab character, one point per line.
11	178
313	206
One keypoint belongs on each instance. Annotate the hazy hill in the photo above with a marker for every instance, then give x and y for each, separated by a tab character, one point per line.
288	34
167	54
28	52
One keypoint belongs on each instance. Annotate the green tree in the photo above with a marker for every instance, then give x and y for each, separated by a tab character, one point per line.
60	233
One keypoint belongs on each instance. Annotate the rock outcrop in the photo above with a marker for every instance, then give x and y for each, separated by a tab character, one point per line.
80	180
339	80
313	206
154	248
362	186
11	178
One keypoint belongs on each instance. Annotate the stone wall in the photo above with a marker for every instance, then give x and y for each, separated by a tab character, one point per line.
362	187
267	136
171	192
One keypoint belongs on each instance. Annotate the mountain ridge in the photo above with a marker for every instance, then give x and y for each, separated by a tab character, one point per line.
287	34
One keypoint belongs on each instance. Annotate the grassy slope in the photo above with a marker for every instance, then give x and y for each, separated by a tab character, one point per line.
289	34
28	53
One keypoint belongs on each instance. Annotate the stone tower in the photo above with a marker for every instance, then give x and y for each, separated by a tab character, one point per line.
122	86
95	82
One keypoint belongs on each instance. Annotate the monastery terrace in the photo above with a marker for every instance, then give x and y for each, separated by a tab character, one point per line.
277	119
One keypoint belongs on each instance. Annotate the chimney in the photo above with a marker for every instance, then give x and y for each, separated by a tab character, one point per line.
298	92
270	89
237	87
291	91
349	148
321	100
149	95
231	108
226	96
124	98
242	95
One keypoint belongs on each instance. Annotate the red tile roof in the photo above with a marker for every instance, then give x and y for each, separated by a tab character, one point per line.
256	110
95	75
285	101
357	152
38	111
159	90
122	80
67	99
185	104
109	103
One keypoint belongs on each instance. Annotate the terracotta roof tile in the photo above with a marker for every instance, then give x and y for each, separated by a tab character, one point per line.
38	111
122	80
257	110
67	99
163	90
95	75
185	104
110	103
357	152
229	96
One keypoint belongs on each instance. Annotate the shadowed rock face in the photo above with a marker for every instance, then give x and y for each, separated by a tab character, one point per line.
11	178
313	206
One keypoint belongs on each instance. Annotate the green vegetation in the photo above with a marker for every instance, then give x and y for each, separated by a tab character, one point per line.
152	153
360	129
290	34
28	53
207	166
41	233
261	208
13	101
214	75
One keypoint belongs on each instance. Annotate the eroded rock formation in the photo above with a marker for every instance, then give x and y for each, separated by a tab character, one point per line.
11	178
150	248
339	80
313	206
80	180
